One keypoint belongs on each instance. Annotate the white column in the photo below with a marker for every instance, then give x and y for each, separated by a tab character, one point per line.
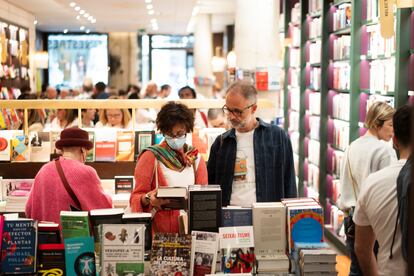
203	50
257	33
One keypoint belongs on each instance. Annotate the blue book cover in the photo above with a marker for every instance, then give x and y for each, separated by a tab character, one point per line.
18	249
80	256
236	216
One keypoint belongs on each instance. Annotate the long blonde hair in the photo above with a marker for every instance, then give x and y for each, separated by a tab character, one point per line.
126	116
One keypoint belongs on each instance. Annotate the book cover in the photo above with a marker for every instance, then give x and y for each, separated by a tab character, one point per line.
51	259
143	139
80	256
124	184
48	233
177	197
262	81
171	254
39	146
203	252
19	146
305	224
74	224
125	145
91	153
5	139
122	249
105	216
204	207
237	248
144	219
236	216
105	144
18	250
16	187
1	230
269	225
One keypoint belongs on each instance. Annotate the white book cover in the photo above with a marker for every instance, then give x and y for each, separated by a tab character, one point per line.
203	252
122	249
269	224
39	146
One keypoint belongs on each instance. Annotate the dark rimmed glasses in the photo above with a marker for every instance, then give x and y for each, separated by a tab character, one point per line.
235	111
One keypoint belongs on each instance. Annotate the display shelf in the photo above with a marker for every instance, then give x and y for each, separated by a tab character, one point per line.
336	148
333	118
315	14
340	90
314	39
338	241
380	57
382	93
105	170
370	22
341	60
346	30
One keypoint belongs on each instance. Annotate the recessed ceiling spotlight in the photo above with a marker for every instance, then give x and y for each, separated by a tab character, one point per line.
93	21
154	20
72	4
155	28
35	22
81	12
86	15
151	12
78	17
77	8
148	1
82	28
87	31
65	31
149	7
90	17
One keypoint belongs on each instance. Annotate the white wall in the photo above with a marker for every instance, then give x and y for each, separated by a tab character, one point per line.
18	16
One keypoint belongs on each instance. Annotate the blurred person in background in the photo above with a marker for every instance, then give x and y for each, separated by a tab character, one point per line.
133	91
147	115
50	93
88	115
64	94
165	91
35	117
200	118
65	118
217	119
99	92
118	118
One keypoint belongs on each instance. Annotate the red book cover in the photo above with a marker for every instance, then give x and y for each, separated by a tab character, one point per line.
262	81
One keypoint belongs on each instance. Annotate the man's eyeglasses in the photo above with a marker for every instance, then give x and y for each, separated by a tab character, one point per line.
235	111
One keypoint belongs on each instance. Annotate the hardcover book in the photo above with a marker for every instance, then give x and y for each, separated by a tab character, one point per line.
237	249
122	249
105	145
204	207
125	145
80	256
74	224
51	259
124	184
176	195
236	216
48	233
18	249
143	139
203	252
171	254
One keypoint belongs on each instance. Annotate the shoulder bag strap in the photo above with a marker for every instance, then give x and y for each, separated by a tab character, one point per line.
66	184
354	183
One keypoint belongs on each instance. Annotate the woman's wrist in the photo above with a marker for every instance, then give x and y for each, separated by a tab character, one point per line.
146	199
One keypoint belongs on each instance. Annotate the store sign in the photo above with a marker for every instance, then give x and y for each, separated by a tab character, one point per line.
405	3
386	18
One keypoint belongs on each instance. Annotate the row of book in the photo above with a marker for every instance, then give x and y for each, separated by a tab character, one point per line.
9	118
312	176
338	134
341	47
294	99
338	105
296	165
294	119
314	78
313	102
315	27
315	52
294	57
382	76
341	75
313	127
313	151
372	10
334	161
332	188
315	6
294	35
294	138
294	77
8	93
377	45
341	16
295	14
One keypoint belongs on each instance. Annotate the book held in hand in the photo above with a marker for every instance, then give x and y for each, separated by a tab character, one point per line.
177	197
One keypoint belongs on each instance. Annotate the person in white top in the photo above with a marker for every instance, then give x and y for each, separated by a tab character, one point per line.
65	118
364	156
200	118
377	207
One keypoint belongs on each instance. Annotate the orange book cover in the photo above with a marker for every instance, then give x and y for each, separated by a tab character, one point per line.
262	81
125	146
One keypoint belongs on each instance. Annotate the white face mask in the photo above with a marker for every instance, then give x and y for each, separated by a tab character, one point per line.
175	143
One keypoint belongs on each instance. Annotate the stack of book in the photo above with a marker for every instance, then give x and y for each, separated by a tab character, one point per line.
314	259
15	192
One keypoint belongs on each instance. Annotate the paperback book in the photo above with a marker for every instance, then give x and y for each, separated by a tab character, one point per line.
203	252
80	256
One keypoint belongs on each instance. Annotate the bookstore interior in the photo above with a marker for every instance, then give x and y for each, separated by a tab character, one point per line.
316	71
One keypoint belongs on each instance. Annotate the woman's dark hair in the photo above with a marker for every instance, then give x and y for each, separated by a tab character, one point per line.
172	114
189	88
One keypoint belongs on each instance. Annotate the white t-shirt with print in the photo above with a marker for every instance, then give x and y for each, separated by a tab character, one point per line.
377	206
244	180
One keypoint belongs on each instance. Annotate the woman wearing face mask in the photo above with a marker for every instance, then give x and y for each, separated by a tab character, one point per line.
177	164
82	180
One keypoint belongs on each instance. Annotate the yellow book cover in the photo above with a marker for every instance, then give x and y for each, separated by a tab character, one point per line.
125	146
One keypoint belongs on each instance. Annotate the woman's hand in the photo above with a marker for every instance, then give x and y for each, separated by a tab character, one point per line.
155	202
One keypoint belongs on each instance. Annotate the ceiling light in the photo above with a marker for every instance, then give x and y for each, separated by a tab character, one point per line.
93	21
149	7
35	22
148	1
155	28
86	15
90	17
154	20
78	17
81	12
151	12
65	31
82	28
87	31
77	8
72	4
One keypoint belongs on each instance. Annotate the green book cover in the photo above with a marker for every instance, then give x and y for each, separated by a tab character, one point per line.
74	224
80	256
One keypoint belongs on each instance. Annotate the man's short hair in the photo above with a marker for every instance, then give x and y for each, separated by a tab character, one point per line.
402	125
189	88
246	89
165	87
214	113
100	86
